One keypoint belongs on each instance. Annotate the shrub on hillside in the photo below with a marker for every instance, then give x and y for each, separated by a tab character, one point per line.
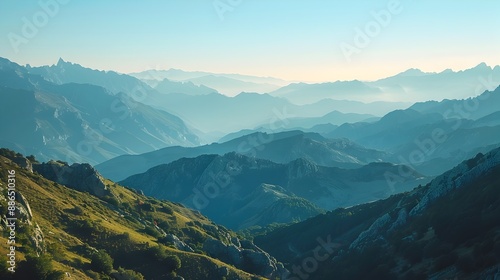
101	262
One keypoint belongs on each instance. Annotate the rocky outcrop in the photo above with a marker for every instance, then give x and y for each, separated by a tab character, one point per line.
17	158
82	177
248	257
24	208
372	233
464	173
23	163
400	220
459	176
178	244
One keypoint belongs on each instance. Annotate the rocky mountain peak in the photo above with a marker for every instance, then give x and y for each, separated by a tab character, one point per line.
60	62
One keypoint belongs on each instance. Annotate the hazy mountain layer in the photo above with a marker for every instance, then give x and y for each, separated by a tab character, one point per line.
412	85
238	191
230	84
80	122
278	147
202	107
432	136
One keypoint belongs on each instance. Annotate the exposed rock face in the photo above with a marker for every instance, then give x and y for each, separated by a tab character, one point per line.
459	176
179	244
371	233
82	177
248	257
401	219
24	208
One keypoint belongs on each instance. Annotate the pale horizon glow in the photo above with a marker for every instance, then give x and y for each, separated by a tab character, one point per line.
292	40
257	75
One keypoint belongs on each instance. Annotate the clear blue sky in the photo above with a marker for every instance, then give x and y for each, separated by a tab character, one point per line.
290	39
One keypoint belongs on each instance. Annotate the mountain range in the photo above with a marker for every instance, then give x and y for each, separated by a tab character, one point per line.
238	191
411	86
280	147
229	84
429	141
433	136
65	121
189	100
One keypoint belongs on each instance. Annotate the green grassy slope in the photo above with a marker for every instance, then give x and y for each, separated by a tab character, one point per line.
71	226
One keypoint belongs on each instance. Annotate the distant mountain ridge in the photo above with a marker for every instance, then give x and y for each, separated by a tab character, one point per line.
237	191
237	83
434	136
193	101
302	93
411	85
279	147
166	86
80	122
473	108
66	72
275	111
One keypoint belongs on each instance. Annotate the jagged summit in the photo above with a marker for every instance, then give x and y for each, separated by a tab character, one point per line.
60	62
